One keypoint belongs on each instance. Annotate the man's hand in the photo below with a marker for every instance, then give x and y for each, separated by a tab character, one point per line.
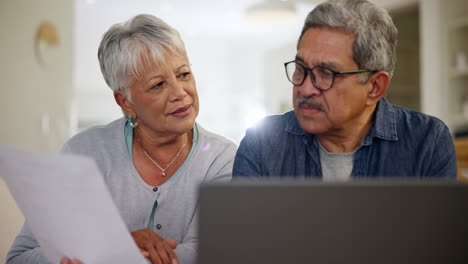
66	260
154	247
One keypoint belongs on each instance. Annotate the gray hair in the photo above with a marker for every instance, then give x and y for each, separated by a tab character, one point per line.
126	46
375	34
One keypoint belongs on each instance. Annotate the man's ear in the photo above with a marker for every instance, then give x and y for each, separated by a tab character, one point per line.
378	85
124	103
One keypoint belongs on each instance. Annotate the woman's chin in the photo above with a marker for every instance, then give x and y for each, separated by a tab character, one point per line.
184	126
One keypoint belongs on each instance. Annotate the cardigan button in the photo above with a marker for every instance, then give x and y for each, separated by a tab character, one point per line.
155	189
158	226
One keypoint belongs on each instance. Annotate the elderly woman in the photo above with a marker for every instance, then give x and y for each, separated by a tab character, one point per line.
154	158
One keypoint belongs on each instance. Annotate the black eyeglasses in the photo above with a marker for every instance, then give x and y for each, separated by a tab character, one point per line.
321	77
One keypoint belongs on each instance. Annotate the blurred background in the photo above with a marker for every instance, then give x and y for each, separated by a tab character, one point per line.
52	86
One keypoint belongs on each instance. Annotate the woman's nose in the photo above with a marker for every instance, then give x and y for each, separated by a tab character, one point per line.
178	90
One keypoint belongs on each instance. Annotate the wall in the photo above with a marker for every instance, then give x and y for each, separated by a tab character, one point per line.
431	54
237	63
405	87
36	100
454	70
440	96
278	90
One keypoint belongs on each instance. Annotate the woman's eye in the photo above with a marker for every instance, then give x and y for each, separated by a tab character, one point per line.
184	75
158	85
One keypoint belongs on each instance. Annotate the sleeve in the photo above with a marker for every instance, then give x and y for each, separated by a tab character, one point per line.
219	171
25	249
247	162
66	148
222	165
187	250
444	160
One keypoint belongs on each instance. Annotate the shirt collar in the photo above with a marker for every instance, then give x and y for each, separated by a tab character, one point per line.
293	126
384	123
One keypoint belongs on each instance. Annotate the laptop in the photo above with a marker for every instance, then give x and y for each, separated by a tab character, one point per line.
364	222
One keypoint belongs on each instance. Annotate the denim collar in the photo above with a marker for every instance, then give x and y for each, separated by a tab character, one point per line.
293	126
384	123
383	127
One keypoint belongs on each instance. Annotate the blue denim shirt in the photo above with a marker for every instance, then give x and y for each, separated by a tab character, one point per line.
401	142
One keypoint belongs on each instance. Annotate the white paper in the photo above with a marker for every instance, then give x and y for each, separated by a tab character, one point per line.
68	207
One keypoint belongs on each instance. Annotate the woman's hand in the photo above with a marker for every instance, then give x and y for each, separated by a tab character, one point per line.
154	247
66	260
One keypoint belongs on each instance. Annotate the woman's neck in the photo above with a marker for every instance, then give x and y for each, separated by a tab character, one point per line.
162	148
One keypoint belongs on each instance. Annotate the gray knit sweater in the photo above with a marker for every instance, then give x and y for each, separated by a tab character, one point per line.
174	202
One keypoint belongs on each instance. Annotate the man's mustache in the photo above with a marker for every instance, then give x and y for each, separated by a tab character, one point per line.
307	101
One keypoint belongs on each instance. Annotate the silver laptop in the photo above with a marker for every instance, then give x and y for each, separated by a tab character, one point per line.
315	222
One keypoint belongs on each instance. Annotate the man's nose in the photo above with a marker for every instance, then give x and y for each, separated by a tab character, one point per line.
308	88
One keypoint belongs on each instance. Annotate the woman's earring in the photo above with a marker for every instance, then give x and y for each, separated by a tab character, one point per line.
130	121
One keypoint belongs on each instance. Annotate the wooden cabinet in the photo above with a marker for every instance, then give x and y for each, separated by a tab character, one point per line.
461	147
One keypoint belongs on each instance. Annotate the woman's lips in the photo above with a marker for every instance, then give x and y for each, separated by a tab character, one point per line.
182	112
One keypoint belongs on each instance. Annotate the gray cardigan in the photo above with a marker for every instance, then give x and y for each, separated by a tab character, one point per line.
210	159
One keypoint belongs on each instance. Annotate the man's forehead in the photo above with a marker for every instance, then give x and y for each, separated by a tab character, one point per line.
328	47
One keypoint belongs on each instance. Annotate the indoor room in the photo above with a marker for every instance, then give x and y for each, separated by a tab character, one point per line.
53	87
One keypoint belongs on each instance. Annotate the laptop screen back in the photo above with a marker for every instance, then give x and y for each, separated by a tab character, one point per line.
316	222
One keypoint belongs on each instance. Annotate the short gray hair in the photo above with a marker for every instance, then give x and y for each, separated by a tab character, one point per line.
125	46
375	34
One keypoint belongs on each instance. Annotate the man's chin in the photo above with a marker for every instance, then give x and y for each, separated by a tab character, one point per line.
312	125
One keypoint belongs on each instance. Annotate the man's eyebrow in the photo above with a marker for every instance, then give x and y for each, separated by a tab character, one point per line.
299	58
325	64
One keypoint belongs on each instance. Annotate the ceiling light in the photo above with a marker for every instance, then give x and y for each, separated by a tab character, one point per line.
272	10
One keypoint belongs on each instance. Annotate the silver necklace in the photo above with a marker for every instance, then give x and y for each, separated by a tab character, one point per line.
163	170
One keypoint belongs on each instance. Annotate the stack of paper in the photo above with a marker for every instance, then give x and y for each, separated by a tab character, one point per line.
68	207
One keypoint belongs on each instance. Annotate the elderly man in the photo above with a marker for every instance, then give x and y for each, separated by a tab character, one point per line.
342	127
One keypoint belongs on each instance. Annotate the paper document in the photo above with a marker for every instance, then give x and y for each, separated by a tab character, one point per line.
68	207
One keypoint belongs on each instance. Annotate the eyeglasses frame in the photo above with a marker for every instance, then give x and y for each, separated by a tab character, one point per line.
310	71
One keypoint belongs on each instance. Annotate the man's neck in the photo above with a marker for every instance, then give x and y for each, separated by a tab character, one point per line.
349	138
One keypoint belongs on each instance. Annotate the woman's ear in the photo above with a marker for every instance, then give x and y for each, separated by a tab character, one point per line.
379	83
124	103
